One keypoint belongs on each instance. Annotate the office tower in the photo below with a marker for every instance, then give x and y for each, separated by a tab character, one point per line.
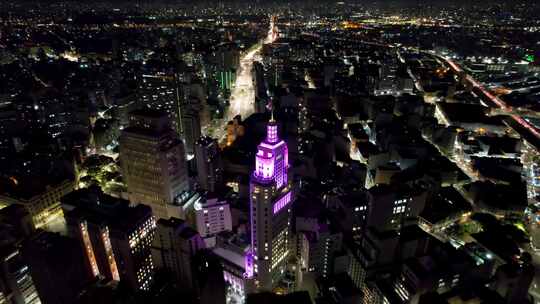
153	161
355	209
16	284
222	64
177	245
191	123
116	238
124	104
213	217
160	91
323	244
261	88
271	197
209	167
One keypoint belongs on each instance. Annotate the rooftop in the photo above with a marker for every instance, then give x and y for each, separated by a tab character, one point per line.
98	208
468	113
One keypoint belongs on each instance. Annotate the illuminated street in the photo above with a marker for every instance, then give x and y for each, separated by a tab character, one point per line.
242	97
243	94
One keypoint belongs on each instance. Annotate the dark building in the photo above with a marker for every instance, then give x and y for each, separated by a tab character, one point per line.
16	281
56	265
18	218
191	123
177	245
209	166
115	238
512	282
211	287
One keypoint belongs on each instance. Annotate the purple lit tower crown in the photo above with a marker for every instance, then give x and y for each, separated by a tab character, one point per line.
272	161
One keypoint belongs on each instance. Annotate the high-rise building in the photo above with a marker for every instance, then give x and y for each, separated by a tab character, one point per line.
211	283
271	196
182	253
153	161
209	166
116	239
161	91
191	123
323	244
261	88
177	245
222	64
213	217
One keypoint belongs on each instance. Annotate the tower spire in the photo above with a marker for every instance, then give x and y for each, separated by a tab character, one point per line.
270	107
271	127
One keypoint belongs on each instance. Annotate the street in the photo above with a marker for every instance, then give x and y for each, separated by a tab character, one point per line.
242	99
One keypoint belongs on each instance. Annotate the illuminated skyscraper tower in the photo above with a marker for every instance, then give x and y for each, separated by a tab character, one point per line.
271	195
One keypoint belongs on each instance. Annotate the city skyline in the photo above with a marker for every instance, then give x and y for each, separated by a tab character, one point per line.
238	152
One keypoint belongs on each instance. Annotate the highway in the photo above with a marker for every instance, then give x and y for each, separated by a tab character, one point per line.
533	134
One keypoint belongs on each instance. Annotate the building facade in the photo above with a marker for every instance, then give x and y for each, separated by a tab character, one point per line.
178	244
161	91
209	166
213	217
153	161
41	201
191	123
